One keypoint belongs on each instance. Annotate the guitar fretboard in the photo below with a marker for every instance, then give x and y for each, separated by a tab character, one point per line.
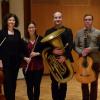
86	32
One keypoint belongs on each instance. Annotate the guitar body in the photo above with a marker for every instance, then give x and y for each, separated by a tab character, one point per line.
85	74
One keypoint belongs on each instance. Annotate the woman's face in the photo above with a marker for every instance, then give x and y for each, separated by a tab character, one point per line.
31	29
11	22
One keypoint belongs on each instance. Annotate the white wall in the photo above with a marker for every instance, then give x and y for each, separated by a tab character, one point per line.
17	7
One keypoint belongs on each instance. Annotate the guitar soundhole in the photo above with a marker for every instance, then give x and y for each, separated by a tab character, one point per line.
85	63
85	75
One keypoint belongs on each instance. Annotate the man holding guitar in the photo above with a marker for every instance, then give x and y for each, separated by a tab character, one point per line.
86	45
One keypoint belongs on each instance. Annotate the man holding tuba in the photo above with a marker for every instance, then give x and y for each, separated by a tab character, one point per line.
59	89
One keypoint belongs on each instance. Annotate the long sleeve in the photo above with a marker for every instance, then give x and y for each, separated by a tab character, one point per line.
23	49
2	41
67	39
77	46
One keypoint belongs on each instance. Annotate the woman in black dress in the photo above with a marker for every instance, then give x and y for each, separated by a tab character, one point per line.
10	54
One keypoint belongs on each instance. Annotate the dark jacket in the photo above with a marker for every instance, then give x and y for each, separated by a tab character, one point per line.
66	37
10	48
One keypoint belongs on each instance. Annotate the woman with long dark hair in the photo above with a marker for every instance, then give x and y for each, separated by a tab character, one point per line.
33	71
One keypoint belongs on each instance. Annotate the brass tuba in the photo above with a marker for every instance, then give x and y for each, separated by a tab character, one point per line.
62	72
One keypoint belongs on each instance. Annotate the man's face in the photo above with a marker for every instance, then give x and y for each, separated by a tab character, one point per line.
57	18
88	21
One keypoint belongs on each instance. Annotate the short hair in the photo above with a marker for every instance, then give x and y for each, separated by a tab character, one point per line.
88	15
5	20
57	12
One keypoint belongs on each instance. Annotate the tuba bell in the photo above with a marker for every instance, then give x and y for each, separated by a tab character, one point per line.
62	72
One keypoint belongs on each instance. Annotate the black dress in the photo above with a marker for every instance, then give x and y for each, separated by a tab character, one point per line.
11	55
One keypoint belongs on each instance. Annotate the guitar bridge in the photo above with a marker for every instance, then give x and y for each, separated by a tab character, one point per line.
85	75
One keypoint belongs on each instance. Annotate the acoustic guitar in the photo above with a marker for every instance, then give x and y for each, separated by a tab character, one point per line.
85	73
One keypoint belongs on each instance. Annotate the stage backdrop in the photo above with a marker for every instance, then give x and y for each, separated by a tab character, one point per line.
73	12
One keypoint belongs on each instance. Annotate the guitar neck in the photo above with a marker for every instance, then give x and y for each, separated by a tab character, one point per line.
85	63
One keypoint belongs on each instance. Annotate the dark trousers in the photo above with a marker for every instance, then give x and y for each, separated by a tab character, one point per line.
10	77
58	89
33	80
91	94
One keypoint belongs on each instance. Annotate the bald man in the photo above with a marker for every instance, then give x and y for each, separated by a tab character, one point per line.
59	89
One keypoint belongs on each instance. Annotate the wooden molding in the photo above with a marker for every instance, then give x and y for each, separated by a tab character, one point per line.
27	13
4	7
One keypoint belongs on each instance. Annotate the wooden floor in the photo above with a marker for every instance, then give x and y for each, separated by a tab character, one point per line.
74	90
73	93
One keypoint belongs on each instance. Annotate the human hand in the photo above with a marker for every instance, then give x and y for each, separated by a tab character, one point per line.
1	64
85	51
33	54
61	59
57	51
27	59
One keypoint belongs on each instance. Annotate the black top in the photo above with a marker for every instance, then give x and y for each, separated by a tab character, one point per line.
39	47
10	48
37	61
67	37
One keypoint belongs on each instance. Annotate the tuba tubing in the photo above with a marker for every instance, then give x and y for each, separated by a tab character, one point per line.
62	72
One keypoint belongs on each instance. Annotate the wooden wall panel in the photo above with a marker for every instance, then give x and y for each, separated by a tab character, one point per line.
61	2
72	15
4	8
27	14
